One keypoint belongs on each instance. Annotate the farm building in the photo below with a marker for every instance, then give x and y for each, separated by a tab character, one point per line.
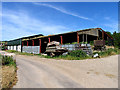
37	43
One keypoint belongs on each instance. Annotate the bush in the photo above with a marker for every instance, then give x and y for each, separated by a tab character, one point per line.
3	48
74	43
91	42
78	53
8	60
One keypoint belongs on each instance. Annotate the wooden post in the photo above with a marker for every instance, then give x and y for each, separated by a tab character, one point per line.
102	35
27	43
22	44
83	37
61	40
86	37
49	39
77	38
97	37
32	42
40	44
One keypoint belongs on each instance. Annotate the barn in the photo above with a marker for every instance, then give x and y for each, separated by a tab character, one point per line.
37	43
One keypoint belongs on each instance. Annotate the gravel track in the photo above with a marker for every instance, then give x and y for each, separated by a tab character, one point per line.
36	72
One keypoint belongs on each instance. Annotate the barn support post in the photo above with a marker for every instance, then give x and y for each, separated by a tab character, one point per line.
86	37
61	40
49	39
32	42
27	43
77	38
22	44
40	45
97	37
102	35
83	37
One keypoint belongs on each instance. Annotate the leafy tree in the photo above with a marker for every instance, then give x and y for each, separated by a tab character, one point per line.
116	37
109	33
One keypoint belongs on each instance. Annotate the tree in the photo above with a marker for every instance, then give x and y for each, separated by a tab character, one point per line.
109	33
116	37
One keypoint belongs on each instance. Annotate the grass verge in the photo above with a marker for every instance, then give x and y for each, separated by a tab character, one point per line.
75	55
9	72
108	52
19	53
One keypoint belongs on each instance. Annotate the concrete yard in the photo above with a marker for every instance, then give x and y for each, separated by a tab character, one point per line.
36	72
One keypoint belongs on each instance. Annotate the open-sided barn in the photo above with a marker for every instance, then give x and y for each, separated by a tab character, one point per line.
37	43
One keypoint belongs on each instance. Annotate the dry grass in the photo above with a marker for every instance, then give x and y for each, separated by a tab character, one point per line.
88	72
110	75
9	78
97	73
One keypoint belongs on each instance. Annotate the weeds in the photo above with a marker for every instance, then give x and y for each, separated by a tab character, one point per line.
11	51
75	55
78	53
8	60
108	52
20	53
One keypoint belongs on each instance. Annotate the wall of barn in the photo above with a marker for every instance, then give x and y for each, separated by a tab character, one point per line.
16	48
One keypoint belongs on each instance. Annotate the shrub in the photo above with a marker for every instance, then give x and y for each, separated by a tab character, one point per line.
78	53
91	42
74	43
8	60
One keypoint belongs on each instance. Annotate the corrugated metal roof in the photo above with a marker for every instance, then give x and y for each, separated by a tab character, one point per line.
40	37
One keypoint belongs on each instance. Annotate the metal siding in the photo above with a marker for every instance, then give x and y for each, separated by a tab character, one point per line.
14	42
31	49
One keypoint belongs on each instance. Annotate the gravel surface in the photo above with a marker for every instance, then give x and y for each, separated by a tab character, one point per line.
36	72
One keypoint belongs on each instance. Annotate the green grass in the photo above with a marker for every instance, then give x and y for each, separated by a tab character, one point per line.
11	51
67	57
75	55
20	53
108	52
0	59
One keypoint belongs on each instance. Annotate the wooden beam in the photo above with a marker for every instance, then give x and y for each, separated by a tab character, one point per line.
86	37
49	39
83	37
22	44
97	37
77	38
40	45
102	35
61	40
27	43
32	42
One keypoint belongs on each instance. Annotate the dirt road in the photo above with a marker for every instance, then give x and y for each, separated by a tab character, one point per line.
35	72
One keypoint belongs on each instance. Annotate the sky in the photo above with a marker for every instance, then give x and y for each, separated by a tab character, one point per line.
21	19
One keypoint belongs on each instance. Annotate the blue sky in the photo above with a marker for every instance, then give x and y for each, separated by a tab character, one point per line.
24	19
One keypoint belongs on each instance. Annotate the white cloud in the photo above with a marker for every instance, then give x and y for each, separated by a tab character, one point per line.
112	26
107	18
19	24
62	10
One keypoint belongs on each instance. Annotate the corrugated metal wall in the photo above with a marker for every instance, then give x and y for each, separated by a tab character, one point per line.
31	49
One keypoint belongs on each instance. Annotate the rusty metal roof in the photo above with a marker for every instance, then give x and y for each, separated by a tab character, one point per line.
40	37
